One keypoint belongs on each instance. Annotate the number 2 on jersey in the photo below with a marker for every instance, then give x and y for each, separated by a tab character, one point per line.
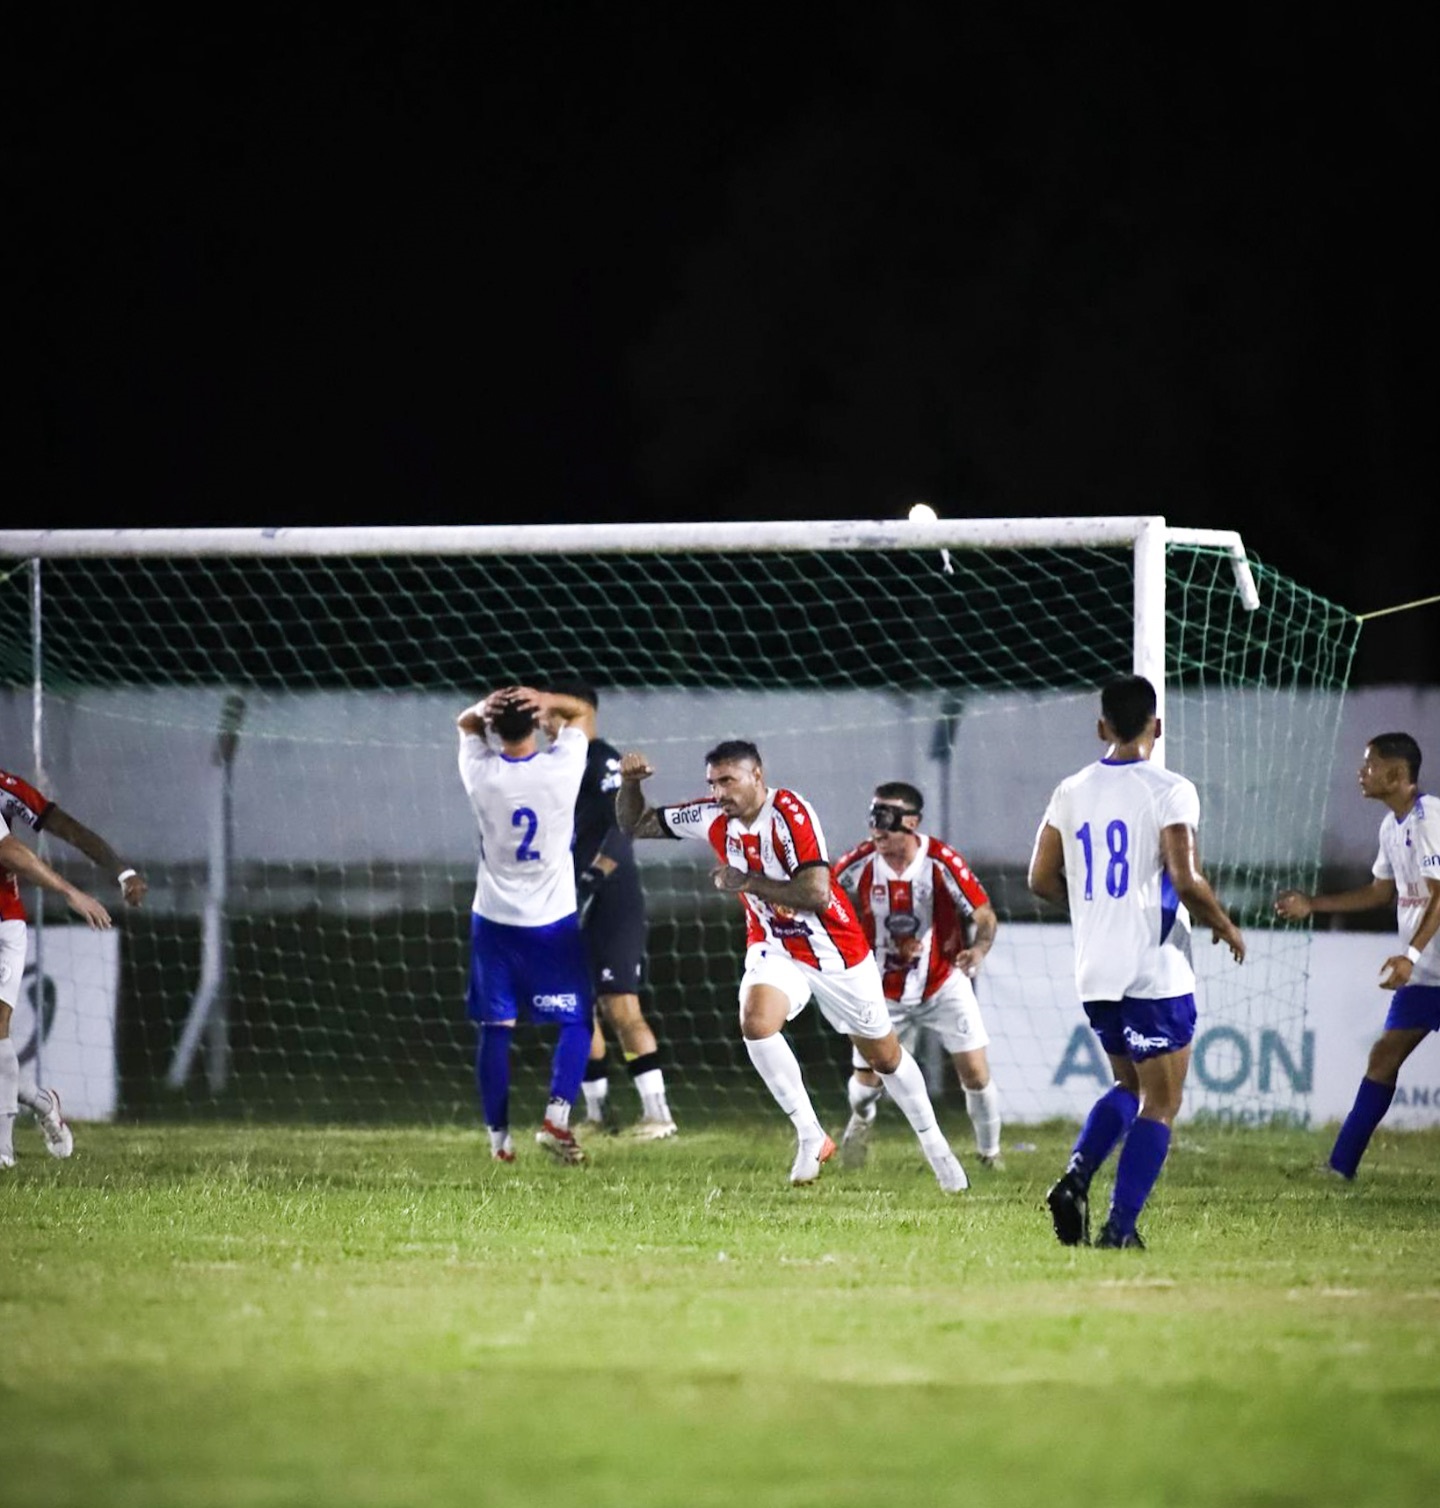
524	817
1117	871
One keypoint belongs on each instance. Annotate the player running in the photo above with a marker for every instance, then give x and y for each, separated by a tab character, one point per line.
931	923
802	939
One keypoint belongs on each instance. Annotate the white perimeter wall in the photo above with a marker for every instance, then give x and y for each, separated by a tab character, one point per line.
354	778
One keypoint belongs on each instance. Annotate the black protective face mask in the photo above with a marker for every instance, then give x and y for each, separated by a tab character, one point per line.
888	819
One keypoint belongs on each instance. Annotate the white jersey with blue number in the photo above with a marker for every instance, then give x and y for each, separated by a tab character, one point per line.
1132	935
1410	855
526	812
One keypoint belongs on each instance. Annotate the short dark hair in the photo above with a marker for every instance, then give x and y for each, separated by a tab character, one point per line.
582	691
729	750
1127	704
901	790
512	721
1399	746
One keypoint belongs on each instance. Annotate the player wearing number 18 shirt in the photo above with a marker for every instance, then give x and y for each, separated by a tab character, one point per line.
527	956
1117	842
802	940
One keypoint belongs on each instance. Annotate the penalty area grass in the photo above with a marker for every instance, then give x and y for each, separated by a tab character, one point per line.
240	1315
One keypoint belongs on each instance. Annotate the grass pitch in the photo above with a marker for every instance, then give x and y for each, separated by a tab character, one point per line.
237	1316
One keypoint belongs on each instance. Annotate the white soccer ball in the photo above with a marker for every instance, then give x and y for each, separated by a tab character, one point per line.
922	513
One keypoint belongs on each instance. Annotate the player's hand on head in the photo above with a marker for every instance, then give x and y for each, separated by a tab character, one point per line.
635	766
1292	905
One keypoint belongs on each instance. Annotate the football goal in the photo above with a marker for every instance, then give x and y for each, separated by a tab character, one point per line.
263	720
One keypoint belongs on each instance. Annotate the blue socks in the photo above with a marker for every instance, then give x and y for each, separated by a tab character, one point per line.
1111	1116
1372	1100
567	1067
492	1068
492	1074
1141	1158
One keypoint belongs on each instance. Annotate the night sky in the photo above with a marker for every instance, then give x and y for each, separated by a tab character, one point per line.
585	262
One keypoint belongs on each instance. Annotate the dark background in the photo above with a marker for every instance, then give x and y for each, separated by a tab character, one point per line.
584	262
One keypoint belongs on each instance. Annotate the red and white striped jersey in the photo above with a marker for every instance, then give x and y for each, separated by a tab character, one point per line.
19	802
938	888
784	838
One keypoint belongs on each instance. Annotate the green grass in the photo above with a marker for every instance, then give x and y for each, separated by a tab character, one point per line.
235	1316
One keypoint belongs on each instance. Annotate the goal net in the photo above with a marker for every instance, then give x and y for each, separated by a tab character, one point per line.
264	723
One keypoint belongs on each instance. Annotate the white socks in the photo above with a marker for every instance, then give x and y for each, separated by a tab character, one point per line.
595	1091
776	1063
650	1086
9	1096
984	1107
864	1098
557	1112
906	1086
37	1100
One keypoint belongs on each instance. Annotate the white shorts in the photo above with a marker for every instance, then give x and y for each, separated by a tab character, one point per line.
952	1013
853	1002
12	961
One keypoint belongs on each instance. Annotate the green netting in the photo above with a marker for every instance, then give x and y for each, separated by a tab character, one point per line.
345	923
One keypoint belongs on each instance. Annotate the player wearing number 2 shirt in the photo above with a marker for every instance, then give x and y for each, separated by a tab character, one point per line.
1117	843
802	940
527	955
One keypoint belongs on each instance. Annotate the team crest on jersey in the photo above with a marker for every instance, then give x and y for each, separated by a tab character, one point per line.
877	892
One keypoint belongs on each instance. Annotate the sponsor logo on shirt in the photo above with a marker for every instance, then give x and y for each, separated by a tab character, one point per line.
554	1002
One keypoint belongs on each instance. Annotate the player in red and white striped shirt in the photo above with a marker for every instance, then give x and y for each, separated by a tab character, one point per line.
21	802
802	939
931	925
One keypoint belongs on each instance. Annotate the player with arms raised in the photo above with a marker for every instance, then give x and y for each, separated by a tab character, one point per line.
802	938
931	924
527	956
1117	842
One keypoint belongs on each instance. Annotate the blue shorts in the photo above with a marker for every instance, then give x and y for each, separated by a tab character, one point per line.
1140	1029
528	973
1416	1007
